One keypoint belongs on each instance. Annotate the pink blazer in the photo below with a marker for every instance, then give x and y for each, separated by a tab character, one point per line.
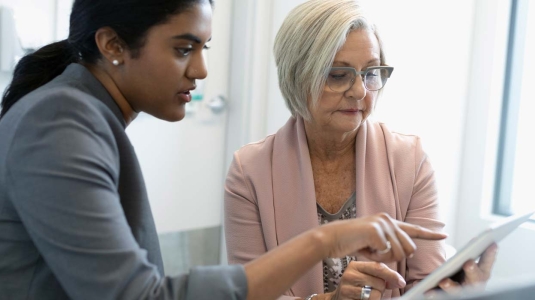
270	197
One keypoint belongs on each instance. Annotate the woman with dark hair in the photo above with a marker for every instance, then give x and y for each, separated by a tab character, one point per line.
75	221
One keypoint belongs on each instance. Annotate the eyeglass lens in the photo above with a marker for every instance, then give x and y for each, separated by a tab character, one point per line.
341	80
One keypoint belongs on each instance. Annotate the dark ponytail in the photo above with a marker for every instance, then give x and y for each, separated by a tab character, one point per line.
131	19
35	70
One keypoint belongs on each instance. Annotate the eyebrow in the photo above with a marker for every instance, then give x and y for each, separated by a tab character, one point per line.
189	37
374	60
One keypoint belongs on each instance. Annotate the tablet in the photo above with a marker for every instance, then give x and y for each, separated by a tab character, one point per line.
494	233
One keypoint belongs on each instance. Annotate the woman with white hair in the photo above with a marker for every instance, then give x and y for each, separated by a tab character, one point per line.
330	162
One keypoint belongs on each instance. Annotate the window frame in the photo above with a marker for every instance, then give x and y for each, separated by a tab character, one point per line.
503	183
475	195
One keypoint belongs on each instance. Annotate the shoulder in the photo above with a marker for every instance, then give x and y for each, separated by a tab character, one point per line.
64	101
56	107
394	139
287	138
399	146
256	152
393	136
59	119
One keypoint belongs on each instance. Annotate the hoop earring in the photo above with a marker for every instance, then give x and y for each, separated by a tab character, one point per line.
115	62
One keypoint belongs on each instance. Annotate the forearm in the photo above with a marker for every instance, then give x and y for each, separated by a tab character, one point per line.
273	273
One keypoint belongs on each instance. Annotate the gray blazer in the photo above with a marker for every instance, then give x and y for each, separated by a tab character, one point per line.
75	221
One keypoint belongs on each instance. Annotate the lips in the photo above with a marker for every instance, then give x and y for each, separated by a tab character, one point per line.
188	90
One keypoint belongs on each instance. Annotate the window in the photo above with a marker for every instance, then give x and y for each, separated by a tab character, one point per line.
516	149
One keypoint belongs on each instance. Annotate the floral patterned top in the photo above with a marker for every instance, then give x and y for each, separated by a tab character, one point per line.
333	268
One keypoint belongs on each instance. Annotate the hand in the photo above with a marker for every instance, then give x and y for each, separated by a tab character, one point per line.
370	236
476	274
360	273
269	275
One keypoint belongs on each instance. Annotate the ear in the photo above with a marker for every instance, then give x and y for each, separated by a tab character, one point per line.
110	45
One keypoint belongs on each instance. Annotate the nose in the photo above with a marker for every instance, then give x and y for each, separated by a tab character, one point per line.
197	67
357	90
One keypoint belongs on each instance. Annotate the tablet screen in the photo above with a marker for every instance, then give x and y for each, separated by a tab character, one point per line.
472	250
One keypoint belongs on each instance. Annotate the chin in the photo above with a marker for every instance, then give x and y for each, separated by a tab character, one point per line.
173	115
351	126
177	117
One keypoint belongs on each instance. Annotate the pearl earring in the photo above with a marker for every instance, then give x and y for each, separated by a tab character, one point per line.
115	62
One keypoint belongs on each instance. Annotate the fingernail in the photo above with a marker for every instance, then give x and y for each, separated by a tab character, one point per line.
412	255
447	284
471	267
401	282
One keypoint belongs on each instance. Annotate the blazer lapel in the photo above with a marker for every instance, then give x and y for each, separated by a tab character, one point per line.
294	197
374	182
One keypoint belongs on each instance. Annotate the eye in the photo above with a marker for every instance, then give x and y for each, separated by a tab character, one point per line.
372	74
338	75
183	51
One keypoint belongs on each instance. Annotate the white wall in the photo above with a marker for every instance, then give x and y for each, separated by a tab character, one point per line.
36	20
36	23
427	40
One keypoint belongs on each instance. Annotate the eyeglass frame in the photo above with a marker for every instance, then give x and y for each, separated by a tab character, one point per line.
388	68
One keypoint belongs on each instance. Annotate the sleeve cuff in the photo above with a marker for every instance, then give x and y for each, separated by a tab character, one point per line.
217	282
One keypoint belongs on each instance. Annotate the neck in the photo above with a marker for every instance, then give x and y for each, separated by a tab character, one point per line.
129	114
328	145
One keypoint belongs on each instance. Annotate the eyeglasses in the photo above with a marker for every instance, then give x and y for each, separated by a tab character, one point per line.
341	79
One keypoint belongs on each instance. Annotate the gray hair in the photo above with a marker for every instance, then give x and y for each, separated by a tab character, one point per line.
307	43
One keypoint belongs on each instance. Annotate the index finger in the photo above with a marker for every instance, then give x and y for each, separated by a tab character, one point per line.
419	232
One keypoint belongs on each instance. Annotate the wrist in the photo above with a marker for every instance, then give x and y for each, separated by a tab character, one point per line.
320	240
326	296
